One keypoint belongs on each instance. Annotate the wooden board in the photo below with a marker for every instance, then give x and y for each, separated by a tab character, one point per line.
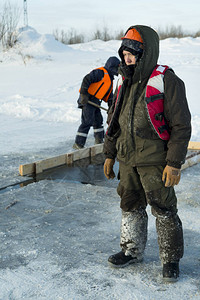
52	162
194	145
191	160
27	169
69	158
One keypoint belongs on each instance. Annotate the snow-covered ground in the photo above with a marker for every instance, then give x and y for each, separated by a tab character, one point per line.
56	239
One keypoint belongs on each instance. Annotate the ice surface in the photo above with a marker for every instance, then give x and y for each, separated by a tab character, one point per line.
56	239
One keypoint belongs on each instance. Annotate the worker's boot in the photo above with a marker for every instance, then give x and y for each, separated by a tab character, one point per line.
170	271
77	146
120	260
133	238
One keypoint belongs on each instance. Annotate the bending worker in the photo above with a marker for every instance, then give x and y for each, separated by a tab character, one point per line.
96	86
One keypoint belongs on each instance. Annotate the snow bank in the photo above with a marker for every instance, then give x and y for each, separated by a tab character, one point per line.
41	77
35	43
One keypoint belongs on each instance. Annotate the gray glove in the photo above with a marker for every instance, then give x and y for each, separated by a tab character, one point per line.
84	99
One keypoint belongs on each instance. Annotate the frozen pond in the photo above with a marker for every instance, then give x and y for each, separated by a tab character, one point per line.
56	236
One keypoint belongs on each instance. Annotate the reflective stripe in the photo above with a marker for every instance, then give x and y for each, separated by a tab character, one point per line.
160	68
82	134
98	130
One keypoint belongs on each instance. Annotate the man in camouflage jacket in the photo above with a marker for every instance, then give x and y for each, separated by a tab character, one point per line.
149	166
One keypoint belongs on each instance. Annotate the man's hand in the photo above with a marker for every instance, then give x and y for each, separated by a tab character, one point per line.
108	168
171	176
84	99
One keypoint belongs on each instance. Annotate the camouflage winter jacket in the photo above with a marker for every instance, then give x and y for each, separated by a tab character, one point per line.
130	136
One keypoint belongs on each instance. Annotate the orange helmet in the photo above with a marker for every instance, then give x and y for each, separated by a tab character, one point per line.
132	42
133	34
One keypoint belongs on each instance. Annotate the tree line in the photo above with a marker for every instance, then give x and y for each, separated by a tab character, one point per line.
72	37
10	17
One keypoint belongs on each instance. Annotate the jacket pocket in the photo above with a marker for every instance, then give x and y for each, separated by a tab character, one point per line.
147	133
151	152
121	149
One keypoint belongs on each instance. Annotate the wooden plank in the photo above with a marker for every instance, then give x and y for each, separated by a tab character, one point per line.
82	153
97	149
194	145
69	158
191	160
48	163
27	169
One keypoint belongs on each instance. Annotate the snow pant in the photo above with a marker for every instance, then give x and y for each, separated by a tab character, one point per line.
91	117
138	187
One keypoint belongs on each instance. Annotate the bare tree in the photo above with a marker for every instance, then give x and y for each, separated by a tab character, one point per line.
172	32
74	38
3	27
69	37
119	35
106	35
97	35
60	36
9	19
197	34
102	35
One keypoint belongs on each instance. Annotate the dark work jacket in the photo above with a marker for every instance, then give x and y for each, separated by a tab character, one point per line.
130	136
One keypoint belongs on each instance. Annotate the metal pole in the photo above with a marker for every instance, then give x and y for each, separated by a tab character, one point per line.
25	14
94	104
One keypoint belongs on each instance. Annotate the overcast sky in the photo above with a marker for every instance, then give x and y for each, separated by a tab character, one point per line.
87	15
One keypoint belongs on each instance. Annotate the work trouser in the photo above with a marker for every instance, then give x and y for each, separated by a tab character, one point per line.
138	187
91	117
